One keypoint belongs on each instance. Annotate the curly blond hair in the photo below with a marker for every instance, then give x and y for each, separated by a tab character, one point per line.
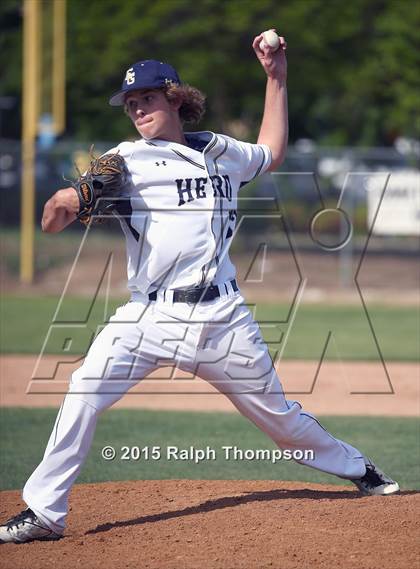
193	104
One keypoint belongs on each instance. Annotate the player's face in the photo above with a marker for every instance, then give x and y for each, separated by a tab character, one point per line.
152	114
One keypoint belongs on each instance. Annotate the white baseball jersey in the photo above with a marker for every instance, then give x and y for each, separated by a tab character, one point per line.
181	215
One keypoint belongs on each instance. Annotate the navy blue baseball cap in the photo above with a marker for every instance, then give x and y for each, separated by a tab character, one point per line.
148	74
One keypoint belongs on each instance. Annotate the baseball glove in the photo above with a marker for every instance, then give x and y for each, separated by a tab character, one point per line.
105	179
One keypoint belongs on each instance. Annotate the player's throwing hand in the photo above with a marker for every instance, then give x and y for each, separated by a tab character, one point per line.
273	59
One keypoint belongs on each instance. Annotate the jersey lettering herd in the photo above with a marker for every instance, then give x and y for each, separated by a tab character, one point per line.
180	215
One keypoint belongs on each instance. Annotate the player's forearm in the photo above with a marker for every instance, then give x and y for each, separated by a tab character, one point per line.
60	211
274	130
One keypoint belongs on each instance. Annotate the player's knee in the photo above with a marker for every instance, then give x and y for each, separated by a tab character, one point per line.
288	426
285	429
92	391
98	401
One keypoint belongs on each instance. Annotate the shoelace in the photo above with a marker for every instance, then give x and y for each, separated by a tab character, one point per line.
19	519
372	477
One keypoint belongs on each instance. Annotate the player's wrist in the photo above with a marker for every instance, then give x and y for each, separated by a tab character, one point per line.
278	80
68	200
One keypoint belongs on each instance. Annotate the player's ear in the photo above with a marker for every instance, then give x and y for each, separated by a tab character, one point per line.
174	98
176	102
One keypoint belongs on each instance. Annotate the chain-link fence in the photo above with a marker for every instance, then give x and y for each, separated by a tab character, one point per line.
311	179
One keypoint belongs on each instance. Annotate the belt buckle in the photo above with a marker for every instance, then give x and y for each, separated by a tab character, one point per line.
199	294
210	293
189	297
195	295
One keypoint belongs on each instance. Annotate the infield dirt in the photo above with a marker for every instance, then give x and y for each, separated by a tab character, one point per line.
332	394
185	524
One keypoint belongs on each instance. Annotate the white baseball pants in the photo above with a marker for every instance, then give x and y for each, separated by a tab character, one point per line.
220	342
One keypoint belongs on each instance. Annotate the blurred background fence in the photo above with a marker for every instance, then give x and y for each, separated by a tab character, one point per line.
307	173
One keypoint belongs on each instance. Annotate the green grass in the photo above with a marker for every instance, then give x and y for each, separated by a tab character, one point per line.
26	320
393	442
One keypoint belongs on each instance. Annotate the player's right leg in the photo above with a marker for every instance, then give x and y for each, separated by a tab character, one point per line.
125	351
235	359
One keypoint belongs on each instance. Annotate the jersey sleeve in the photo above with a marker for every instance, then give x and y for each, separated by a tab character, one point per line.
252	159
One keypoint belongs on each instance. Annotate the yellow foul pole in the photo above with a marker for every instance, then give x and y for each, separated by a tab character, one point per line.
59	66
30	113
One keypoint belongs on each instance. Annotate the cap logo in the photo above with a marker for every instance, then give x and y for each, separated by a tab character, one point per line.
130	76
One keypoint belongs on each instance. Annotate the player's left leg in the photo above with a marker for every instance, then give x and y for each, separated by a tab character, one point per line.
127	349
235	360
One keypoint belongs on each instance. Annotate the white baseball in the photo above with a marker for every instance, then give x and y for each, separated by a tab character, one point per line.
271	40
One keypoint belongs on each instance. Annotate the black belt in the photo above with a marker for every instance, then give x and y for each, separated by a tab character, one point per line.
196	294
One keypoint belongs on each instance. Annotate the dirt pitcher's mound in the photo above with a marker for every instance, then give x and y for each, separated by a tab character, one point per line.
180	524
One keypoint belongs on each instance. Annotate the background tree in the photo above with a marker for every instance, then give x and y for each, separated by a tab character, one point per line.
353	67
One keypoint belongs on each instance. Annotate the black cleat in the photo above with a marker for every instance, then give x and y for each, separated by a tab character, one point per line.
375	482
